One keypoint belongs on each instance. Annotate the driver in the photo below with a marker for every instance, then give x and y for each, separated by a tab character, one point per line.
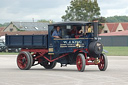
57	33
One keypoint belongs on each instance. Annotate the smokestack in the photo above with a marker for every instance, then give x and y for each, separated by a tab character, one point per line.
95	25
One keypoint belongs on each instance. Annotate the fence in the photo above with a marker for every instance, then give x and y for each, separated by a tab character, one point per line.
114	40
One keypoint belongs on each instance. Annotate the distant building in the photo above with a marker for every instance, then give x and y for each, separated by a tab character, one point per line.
115	38
120	33
26	26
114	27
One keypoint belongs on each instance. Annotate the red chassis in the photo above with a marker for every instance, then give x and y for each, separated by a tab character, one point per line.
41	53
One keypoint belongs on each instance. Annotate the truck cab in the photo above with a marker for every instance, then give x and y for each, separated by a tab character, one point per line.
69	40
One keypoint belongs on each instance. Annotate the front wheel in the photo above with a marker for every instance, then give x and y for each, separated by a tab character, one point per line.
80	62
103	62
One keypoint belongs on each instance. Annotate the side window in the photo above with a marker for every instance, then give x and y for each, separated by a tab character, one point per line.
68	27
65	31
52	31
56	32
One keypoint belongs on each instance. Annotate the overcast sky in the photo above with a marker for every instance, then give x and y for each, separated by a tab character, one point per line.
25	10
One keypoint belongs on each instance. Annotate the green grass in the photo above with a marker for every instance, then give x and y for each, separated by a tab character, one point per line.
9	53
117	51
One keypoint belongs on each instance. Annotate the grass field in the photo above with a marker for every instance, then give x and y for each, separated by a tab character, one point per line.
112	51
9	53
117	51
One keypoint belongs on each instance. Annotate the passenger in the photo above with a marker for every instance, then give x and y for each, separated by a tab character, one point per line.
89	29
57	33
74	30
81	32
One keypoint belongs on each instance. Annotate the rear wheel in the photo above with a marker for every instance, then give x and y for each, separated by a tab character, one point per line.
103	62
24	60
80	62
48	65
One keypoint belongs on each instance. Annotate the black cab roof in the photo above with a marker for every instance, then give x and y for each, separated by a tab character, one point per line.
71	23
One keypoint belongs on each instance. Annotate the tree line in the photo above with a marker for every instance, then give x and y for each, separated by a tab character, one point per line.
4	25
117	19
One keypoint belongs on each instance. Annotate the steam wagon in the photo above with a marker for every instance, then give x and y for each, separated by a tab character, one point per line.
78	48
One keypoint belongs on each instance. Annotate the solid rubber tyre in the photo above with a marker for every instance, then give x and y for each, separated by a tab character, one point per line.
80	62
103	62
24	60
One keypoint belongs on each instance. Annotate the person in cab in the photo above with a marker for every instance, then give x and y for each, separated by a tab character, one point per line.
57	33
89	29
74	32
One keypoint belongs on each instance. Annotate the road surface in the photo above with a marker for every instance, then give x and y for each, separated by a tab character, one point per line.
116	73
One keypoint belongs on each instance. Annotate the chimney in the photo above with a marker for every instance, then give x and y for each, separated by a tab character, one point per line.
95	26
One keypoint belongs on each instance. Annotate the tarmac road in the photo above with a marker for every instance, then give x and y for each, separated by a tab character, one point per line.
116	74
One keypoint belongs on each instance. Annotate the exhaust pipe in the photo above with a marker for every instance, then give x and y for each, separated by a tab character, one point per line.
95	28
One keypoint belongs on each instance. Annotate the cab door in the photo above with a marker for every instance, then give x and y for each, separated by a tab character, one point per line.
56	45
53	43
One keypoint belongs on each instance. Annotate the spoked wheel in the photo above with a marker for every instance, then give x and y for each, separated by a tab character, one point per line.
24	60
48	65
80	62
103	62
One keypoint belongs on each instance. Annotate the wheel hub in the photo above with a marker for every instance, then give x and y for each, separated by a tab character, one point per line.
78	62
23	60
